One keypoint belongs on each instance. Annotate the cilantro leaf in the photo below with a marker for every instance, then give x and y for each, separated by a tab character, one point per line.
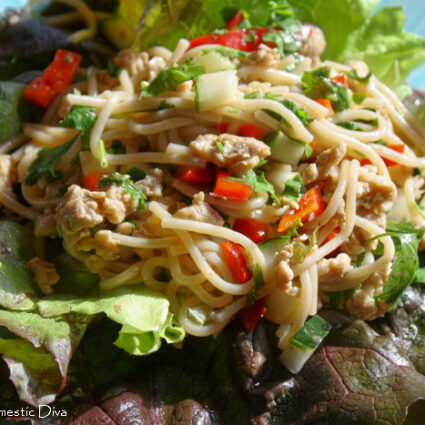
406	262
252	295
317	84
136	173
259	183
358	98
113	69
355	76
117	147
300	113
294	188
170	78
81	118
124	181
45	164
226	51
286	40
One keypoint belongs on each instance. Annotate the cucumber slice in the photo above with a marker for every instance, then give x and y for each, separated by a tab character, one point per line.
269	248
284	149
214	62
215	89
278	174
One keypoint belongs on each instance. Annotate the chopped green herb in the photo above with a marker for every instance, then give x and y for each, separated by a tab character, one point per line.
59	231
286	40
136	173
170	78
381	142
254	95
358	98
116	148
417	171
220	146
277	117
258	284
226	51
81	118
311	334
62	190
164	105
349	126
113	69
259	183
353	74
294	188
124	181
406	241
317	84
232	110
300	113
45	163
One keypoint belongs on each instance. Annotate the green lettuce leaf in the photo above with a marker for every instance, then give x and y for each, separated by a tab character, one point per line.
38	351
354	33
17	290
143	314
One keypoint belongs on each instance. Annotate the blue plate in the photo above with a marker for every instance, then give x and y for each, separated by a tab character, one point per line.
414	9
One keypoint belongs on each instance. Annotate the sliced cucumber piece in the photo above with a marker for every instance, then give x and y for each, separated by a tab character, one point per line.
269	248
214	62
215	89
277	174
284	149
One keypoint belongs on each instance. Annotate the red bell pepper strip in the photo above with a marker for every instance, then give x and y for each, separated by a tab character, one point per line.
38	93
238	39
235	21
91	181
327	104
388	162
341	79
196	175
251	130
310	206
235	261
223	127
251	315
56	78
251	228
232	190
328	238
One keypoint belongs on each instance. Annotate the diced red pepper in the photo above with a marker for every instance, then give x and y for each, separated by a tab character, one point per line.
310	206
223	127
61	72
91	181
388	162
252	315
251	130
341	79
326	103
238	39
235	261
38	93
196	175
56	78
328	238
235	21
232	190
251	228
